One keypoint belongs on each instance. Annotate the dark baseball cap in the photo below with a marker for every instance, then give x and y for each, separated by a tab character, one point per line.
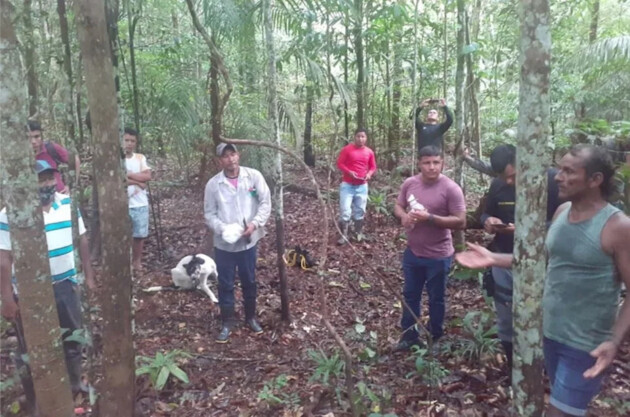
222	147
41	166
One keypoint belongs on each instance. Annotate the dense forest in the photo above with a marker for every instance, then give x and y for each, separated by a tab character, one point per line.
294	79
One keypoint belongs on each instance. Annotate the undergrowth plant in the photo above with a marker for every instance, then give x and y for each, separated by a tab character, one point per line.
272	393
429	369
479	336
326	367
162	366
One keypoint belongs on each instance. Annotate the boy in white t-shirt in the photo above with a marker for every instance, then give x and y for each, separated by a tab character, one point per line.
138	174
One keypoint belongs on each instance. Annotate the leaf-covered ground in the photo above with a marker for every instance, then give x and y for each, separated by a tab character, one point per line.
227	380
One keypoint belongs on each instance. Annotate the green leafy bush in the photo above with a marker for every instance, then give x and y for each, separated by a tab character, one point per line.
162	366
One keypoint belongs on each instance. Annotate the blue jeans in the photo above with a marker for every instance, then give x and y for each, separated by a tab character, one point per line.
352	200
570	391
227	264
418	272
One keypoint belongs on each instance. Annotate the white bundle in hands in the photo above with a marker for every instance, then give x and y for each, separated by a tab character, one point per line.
414	204
232	233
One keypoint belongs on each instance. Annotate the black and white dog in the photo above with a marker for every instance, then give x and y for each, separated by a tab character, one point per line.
191	273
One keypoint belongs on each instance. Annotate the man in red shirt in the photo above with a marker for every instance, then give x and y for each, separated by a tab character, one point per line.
51	152
357	163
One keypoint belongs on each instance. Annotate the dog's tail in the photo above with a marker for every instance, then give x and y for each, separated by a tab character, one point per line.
158	288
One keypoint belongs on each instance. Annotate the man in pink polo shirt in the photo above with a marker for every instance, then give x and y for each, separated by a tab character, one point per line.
357	163
429	206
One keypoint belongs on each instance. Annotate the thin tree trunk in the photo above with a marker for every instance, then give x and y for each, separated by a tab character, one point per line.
473	111
132	20
532	156
67	65
592	35
117	387
358	49
30	59
309	156
414	88
346	64
278	205
394	140
26	222
445	50
459	90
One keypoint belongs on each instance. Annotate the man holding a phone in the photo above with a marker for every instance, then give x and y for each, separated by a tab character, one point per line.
357	164
498	219
430	132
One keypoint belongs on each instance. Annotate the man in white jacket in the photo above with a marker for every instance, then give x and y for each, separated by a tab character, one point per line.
237	204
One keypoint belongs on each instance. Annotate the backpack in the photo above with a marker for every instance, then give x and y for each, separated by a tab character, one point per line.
52	151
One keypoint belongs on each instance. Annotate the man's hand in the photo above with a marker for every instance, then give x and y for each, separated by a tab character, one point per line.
476	257
65	190
354	175
10	308
605	354
249	230
488	225
414	217
368	176
90	283
424	103
442	102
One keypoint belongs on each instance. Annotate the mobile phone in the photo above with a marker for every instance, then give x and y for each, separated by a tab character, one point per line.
434	100
500	225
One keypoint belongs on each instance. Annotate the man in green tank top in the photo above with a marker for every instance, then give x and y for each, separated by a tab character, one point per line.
588	245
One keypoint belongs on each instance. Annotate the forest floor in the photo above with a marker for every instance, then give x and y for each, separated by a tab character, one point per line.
275	374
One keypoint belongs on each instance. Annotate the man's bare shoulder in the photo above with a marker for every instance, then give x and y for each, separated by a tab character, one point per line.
616	233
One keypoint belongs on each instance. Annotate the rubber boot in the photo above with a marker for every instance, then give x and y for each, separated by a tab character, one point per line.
344	232
227	322
250	316
358	230
74	374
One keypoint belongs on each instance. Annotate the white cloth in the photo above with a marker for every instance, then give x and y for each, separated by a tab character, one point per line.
58	227
136	164
232	233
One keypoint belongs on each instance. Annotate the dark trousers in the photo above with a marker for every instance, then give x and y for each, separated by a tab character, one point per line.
419	272
69	312
227	265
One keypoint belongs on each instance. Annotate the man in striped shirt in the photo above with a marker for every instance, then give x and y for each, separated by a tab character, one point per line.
57	210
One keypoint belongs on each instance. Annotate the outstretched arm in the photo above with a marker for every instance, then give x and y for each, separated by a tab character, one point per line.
478	257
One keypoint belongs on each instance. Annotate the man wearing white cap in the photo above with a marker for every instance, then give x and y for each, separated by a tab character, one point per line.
237	204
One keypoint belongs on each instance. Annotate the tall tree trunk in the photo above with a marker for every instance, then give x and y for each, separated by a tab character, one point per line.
26	222
309	156
358	49
471	88
346	65
459	90
460	112
532	157
278	205
133	16
592	35
445	49
394	137
67	66
30	59
117	387
414	89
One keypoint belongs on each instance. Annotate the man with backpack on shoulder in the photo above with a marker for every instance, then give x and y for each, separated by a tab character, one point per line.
51	152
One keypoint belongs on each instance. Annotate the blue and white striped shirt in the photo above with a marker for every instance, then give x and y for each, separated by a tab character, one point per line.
58	224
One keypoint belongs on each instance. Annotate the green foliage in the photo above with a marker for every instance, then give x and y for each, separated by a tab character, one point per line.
162	366
326	366
81	336
378	202
479	336
369	400
619	406
272	392
429	369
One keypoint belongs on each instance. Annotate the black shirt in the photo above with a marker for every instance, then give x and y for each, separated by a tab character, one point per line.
428	134
500	204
